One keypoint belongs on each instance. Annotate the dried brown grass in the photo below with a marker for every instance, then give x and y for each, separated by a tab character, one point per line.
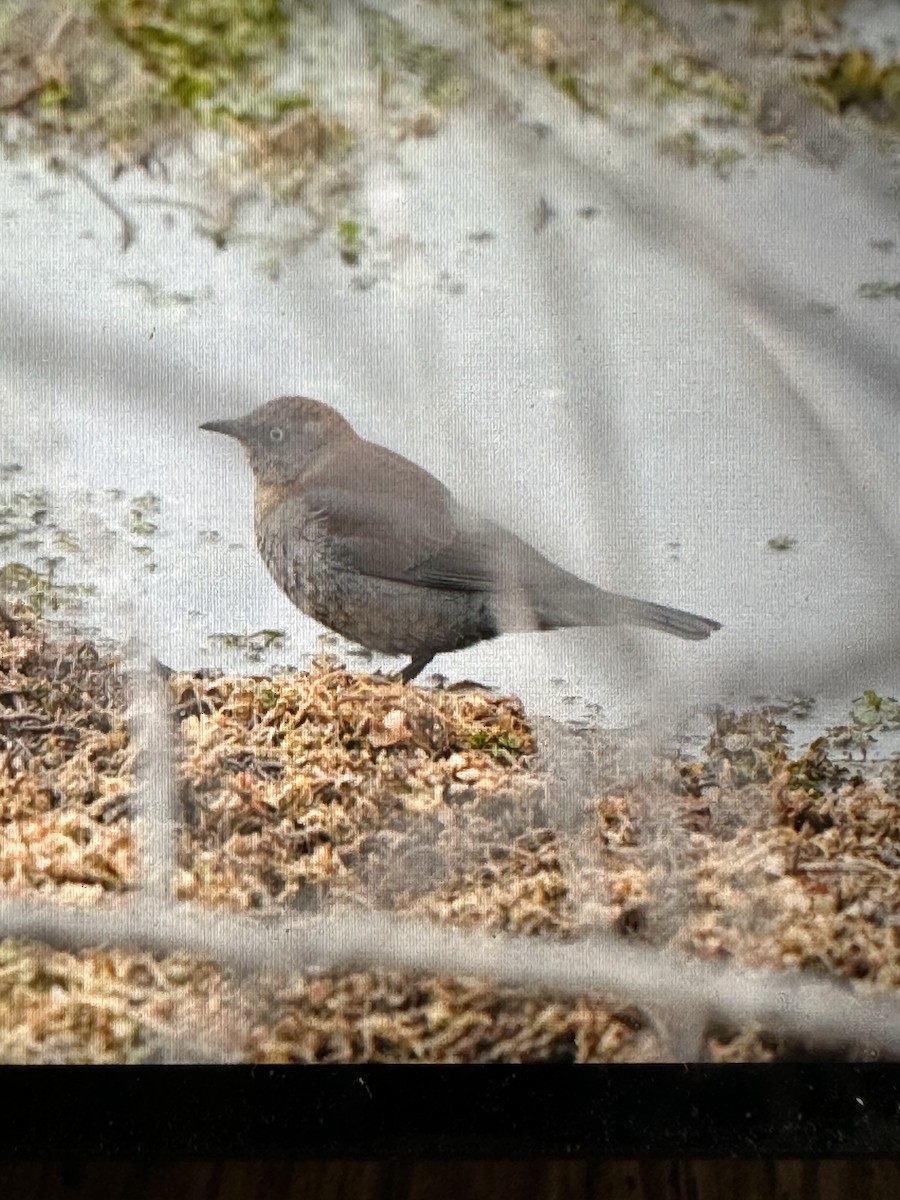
331	791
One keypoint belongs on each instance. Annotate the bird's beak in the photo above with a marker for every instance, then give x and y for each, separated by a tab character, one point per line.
233	429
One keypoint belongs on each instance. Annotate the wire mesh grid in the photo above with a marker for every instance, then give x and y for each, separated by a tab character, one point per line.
811	366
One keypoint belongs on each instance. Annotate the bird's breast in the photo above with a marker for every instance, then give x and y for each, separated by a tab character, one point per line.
296	555
266	500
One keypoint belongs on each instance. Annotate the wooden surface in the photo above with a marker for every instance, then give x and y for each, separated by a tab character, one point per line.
663	1180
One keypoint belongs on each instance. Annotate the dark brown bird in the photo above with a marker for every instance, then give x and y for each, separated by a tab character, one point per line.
374	547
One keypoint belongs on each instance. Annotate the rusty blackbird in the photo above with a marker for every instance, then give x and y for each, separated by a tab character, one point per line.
375	548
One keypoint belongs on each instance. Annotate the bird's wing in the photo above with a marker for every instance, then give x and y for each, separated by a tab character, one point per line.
424	544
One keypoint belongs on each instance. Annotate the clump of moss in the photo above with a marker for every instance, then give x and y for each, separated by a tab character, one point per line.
681	75
879	290
637	15
105	1005
287	152
433	74
144	514
522	888
252	645
800	871
40	588
22	514
688	148
875	713
331	789
197	47
131	75
745	748
574	89
296	784
816	770
512	26
66	763
798	18
502	744
854	79
350	241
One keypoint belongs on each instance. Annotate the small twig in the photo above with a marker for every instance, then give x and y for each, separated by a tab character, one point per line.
848	866
56	31
28	718
167	202
128	228
23	97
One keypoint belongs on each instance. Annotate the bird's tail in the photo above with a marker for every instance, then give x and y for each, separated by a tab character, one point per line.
671	620
587	605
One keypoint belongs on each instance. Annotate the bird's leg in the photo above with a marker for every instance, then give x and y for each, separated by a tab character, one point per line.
416	665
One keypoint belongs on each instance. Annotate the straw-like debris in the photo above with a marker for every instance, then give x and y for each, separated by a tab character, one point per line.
331	791
390	1018
111	1006
329	786
771	860
66	765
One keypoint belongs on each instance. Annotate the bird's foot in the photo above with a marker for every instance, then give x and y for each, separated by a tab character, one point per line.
413	668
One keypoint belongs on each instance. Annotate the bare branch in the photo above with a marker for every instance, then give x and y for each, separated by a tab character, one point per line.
128	228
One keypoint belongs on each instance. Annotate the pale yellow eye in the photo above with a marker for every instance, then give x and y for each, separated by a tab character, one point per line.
276	435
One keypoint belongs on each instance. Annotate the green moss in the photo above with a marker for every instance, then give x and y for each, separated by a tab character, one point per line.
745	748
687	148
251	645
53	94
500	744
254	107
290	102
637	15
879	290
143	509
814	771
564	81
350	241
723	160
679	76
875	713
22	513
158	297
436	74
777	14
819	770
196	47
510	24
854	80
39	587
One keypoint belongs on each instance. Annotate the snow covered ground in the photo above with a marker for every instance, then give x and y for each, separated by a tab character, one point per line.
665	378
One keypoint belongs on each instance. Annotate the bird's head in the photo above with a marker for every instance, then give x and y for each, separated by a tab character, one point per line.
282	438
